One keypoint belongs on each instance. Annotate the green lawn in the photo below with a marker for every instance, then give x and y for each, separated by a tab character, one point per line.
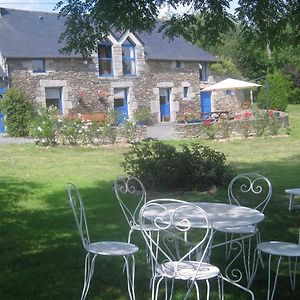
41	255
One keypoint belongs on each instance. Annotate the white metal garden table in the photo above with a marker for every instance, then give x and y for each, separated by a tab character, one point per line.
293	193
220	215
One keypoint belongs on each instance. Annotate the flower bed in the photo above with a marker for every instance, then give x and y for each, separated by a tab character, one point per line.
245	124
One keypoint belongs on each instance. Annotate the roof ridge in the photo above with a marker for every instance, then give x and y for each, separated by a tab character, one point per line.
29	11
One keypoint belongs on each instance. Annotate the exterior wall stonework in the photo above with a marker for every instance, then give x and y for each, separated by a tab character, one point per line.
84	91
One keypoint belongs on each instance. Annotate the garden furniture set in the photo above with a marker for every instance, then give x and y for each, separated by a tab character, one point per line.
169	228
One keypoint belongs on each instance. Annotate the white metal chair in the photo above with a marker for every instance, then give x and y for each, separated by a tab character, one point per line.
280	249
251	190
181	250
105	248
131	195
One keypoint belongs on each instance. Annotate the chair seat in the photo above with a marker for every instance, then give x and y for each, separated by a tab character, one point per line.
280	248
188	270
242	229
112	248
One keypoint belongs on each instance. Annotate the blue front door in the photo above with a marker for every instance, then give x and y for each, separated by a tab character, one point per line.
164	99
2	127
205	103
120	104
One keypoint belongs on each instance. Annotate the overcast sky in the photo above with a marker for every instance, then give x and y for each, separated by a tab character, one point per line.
47	5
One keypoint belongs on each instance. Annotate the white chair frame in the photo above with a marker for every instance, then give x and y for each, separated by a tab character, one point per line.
281	250
170	263
129	185
104	248
252	184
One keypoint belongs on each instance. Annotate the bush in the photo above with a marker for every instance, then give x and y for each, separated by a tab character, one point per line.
143	116
18	111
162	167
275	92
45	127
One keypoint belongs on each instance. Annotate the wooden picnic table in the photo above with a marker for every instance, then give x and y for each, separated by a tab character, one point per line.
214	114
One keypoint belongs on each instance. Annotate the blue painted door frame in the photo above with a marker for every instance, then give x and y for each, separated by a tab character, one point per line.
205	103
2	126
121	105
164	99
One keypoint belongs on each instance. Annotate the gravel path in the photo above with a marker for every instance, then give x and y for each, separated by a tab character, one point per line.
9	140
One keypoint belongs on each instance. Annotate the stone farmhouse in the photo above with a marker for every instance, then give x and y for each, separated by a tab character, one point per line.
128	71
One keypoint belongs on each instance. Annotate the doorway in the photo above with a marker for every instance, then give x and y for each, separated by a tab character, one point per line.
164	101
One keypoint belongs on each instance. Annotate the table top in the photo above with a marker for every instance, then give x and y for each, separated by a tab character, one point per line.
293	191
219	214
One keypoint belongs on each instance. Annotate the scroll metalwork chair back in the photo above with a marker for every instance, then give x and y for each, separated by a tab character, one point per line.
105	248
185	235
131	195
250	190
77	206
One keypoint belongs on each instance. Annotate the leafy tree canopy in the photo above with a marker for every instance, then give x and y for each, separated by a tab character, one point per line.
87	21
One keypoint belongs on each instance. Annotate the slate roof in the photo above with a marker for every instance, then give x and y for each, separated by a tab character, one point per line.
35	35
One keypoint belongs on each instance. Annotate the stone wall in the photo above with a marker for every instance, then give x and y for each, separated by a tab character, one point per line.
84	91
196	130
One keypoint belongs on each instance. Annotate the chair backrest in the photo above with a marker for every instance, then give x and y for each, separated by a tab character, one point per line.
251	190
131	195
77	206
184	235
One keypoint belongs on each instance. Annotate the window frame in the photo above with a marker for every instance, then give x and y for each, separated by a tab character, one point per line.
185	92
105	59
203	72
38	70
131	59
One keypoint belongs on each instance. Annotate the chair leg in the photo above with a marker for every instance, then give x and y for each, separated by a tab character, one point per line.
130	276
207	289
271	293
157	288
88	273
292	273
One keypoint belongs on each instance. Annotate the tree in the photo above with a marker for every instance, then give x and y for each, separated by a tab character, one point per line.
275	92
87	21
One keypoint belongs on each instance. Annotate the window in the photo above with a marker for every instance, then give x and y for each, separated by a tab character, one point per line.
38	65
178	64
105	59
229	92
128	58
53	98
185	91
203	71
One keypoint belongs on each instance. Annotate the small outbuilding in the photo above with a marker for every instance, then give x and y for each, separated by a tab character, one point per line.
231	95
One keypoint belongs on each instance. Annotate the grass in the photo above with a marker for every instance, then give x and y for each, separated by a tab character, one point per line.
41	256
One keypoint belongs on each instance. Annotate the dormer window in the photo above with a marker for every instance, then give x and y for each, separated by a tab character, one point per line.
105	59
128	58
38	65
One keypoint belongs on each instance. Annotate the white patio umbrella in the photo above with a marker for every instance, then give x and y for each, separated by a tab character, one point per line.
231	84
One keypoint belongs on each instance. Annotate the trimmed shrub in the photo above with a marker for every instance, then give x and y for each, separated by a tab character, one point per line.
18	111
162	167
